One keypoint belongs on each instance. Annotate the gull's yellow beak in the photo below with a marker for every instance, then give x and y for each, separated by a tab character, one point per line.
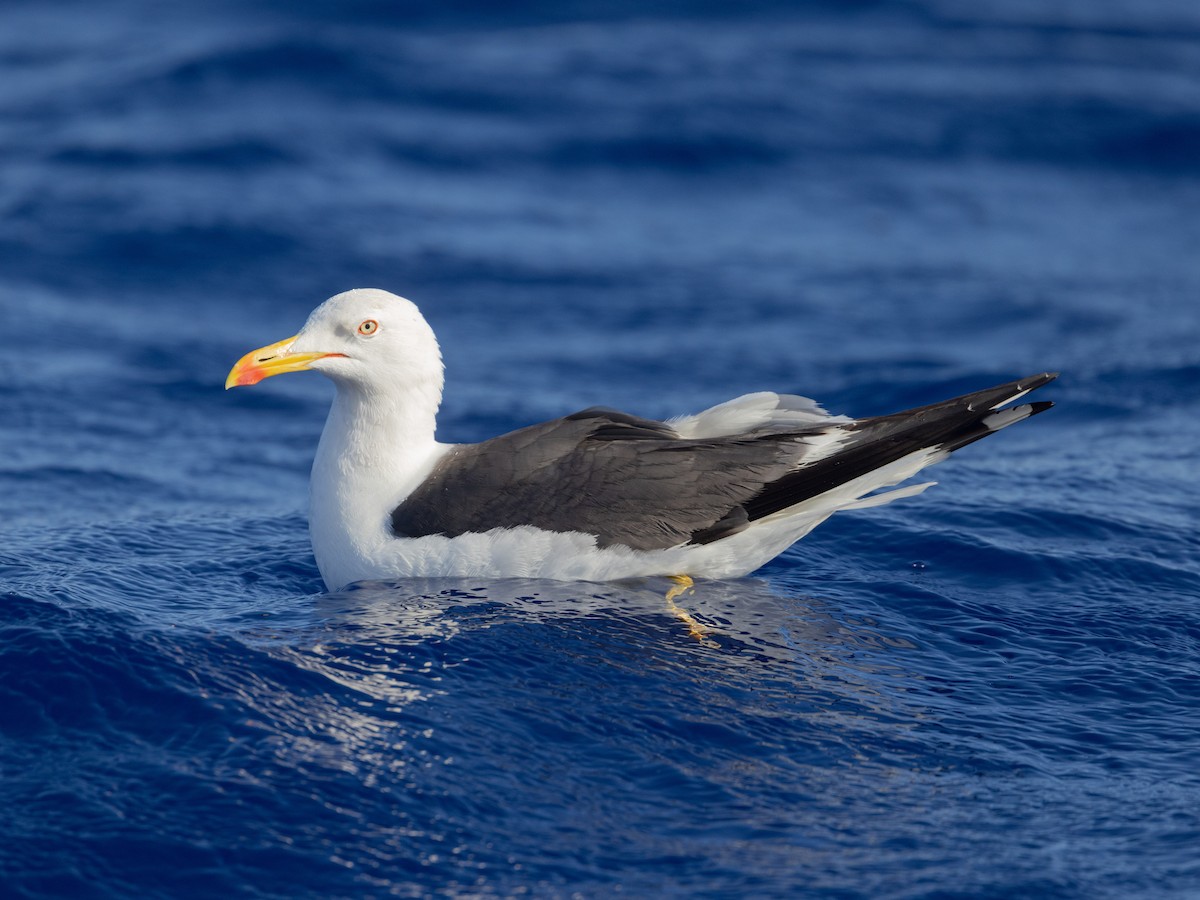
272	360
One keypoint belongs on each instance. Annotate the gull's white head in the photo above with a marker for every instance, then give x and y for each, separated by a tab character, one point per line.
364	339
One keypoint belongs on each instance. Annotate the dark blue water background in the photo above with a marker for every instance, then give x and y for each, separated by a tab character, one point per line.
992	690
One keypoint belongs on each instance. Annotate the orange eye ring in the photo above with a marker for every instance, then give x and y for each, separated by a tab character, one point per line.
368	327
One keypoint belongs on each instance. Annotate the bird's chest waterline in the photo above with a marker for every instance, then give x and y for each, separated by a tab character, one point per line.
346	522
351	497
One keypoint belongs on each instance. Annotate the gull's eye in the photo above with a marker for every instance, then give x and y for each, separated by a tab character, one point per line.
368	327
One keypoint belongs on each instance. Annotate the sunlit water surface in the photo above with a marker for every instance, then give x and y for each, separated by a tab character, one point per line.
991	690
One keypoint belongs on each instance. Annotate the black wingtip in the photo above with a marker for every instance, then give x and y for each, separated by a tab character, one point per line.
877	441
1033	382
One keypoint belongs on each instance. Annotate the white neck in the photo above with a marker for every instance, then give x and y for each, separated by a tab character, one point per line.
376	447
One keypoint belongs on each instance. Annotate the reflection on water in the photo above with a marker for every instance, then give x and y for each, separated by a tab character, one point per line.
440	641
445	699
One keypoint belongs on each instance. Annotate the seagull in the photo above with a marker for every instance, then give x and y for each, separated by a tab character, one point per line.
598	495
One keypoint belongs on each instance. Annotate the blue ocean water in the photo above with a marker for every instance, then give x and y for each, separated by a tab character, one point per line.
991	690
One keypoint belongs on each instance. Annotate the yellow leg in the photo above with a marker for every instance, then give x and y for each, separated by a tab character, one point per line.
683	584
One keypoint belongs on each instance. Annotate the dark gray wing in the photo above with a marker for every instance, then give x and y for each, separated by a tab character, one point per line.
635	482
624	479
